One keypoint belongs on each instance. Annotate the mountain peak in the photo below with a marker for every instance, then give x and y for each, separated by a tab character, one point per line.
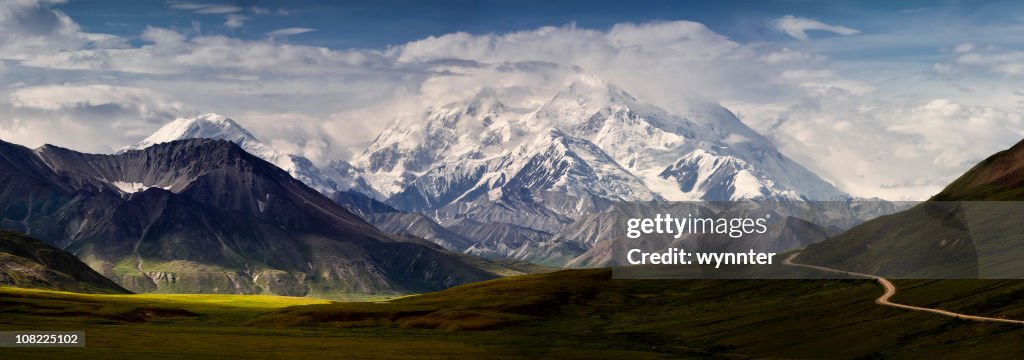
595	86
220	127
209	126
454	152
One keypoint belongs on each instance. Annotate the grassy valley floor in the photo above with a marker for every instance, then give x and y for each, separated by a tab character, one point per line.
567	314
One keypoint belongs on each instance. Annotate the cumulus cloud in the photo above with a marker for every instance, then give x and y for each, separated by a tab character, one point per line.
293	133
823	81
32	27
900	150
661	62
797	27
1009	63
967	60
169	51
327	104
100	116
145	103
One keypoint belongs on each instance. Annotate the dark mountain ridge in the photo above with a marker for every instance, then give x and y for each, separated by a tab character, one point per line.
205	216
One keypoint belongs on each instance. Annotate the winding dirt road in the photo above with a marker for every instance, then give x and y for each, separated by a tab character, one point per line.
890	290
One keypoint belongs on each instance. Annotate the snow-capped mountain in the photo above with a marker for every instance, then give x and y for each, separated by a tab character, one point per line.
339	180
496	176
338	176
208	126
518	170
588	140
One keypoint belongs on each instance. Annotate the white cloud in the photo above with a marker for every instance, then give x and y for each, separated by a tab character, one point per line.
788	56
797	27
972	59
147	103
289	31
235	21
899	150
1002	62
821	81
293	133
893	147
661	62
163	37
100	116
233	17
964	47
31	27
326	104
171	52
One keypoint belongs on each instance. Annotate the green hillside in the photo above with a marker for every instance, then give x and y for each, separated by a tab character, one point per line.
586	314
1000	177
567	314
971	229
31	263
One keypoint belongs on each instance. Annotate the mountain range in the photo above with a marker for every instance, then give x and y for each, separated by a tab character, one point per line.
501	181
585	147
589	140
205	216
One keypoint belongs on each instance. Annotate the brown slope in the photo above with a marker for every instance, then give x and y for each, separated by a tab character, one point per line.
999	177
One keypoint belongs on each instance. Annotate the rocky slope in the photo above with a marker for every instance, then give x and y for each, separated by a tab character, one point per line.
205	216
31	263
337	176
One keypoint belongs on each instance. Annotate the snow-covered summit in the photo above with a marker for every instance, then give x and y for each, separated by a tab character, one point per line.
209	126
589	137
220	127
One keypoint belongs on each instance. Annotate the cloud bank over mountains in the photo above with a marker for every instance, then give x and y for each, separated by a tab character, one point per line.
322	103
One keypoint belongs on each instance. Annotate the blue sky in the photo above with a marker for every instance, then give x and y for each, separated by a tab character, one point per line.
377	24
884	98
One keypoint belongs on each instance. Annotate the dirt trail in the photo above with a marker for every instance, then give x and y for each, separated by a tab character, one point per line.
890	290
